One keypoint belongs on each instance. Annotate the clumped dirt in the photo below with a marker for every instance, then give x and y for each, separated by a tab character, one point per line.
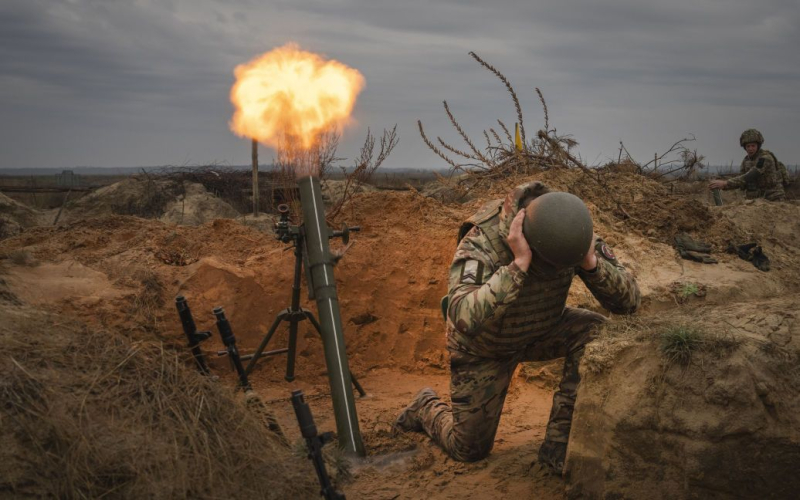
122	273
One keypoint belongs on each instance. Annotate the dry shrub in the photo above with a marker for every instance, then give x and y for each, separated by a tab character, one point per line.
504	154
88	414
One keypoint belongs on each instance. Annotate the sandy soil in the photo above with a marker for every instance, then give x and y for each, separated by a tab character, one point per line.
123	272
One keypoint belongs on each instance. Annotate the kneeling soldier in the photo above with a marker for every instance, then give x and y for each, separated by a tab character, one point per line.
508	289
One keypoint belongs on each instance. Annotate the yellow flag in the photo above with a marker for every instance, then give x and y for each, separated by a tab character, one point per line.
517	137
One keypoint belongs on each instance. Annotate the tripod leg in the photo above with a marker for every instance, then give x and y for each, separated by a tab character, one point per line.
265	341
314	322
290	357
357	386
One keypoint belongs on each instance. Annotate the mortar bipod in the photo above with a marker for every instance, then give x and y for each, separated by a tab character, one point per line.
294	314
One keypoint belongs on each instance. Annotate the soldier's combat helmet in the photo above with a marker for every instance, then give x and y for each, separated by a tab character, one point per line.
751	135
558	227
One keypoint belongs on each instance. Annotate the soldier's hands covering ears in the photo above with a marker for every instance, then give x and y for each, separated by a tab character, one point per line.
518	244
589	262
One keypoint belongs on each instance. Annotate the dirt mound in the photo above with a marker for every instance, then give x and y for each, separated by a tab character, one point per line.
390	281
625	202
765	221
196	206
334	190
88	414
711	409
122	273
450	190
151	197
15	217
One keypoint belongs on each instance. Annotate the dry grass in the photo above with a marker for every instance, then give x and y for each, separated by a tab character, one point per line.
149	299
89	414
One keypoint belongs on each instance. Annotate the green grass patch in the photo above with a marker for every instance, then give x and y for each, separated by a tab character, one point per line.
679	342
688	289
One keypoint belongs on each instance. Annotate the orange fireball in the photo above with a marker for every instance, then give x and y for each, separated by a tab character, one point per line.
290	94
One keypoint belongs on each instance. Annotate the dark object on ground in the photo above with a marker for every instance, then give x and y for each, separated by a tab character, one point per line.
717	197
226	332
751	252
691	249
314	443
192	335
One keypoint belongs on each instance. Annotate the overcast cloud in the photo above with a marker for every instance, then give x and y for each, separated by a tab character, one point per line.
146	82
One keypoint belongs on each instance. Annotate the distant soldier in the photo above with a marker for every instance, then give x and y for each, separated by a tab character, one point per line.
508	287
761	175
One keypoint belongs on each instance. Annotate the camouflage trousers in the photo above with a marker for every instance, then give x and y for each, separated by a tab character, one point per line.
478	388
775	194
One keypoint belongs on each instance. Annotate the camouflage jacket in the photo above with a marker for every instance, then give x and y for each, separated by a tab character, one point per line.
759	177
495	309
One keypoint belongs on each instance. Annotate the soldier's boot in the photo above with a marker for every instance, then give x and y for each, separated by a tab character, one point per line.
553	455
408	420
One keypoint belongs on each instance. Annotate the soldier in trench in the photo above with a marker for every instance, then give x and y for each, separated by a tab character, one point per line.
761	174
508	288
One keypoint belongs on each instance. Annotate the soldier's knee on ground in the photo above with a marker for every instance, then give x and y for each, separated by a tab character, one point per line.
470	452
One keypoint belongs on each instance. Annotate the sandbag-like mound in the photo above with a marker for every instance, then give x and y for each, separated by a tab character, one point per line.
704	408
88	414
14	217
333	191
197	206
151	197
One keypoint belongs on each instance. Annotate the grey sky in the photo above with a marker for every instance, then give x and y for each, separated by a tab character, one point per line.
146	82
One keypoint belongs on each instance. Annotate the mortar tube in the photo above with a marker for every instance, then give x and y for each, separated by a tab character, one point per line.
717	197
320	265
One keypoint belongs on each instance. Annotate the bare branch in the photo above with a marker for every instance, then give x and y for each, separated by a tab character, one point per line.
457	151
510	90
508	134
365	166
544	106
464	136
435	149
496	137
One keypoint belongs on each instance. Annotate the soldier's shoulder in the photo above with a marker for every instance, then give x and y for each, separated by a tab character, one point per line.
482	216
766	153
764	156
486	212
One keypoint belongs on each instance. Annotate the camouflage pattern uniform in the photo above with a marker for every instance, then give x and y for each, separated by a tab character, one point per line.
760	177
498	316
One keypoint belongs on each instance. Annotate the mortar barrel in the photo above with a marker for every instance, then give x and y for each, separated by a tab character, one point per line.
320	266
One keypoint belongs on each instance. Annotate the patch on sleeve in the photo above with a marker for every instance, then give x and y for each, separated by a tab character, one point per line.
605	250
760	163
472	272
